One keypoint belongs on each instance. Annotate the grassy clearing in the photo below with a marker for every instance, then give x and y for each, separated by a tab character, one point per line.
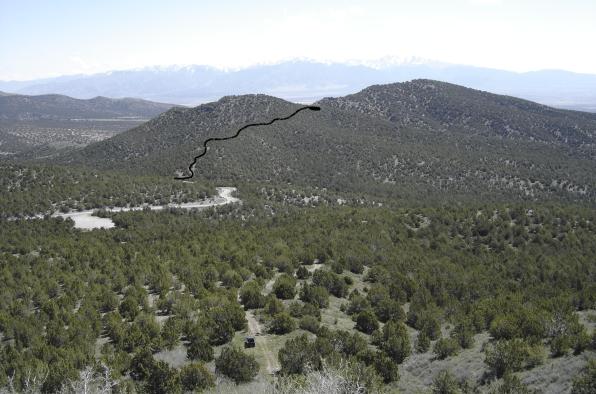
334	318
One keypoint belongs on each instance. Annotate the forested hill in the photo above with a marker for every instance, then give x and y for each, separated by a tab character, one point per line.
57	107
309	143
410	144
444	107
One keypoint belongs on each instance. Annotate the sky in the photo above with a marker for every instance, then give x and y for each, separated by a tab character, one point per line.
61	37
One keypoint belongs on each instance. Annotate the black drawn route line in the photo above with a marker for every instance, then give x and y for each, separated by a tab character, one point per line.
309	107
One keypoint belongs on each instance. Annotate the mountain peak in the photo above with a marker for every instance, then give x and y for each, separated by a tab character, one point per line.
249	99
245	108
430	104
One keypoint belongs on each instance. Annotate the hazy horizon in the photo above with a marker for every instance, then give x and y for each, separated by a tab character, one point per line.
370	63
68	38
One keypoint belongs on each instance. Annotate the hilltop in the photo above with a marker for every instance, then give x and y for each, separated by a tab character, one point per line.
446	107
399	139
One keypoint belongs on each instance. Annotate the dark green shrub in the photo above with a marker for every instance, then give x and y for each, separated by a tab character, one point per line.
355	266
388	309
236	365
129	308
297	353
559	345
445	347
285	287
337	267
309	323
163	379
357	304
285	265
231	279
108	301
273	305
366	321
199	348
262	272
506	356
311	310
445	383
170	332
195	377
513	385
426	320
251	297
349	344
282	323
141	364
423	342
386	368
504	327
220	331
367	356
331	281
223	320
316	295
295	309
463	333
531	323
535	355
395	341
302	273
580	342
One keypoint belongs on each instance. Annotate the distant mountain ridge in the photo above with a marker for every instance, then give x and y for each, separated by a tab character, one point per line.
307	81
392	139
18	107
38	126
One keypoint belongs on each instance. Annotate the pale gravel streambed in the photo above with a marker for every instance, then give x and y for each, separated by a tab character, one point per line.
85	220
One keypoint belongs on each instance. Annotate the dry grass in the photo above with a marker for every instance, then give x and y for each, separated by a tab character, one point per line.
176	357
418	371
556	374
334	318
588	319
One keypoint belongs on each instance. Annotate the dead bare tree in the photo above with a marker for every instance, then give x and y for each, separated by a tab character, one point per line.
90	382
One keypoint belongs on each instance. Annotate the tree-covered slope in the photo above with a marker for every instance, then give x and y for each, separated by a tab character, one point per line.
446	107
382	145
58	107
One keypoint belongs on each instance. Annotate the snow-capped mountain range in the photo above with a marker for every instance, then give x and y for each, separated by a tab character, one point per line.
306	80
